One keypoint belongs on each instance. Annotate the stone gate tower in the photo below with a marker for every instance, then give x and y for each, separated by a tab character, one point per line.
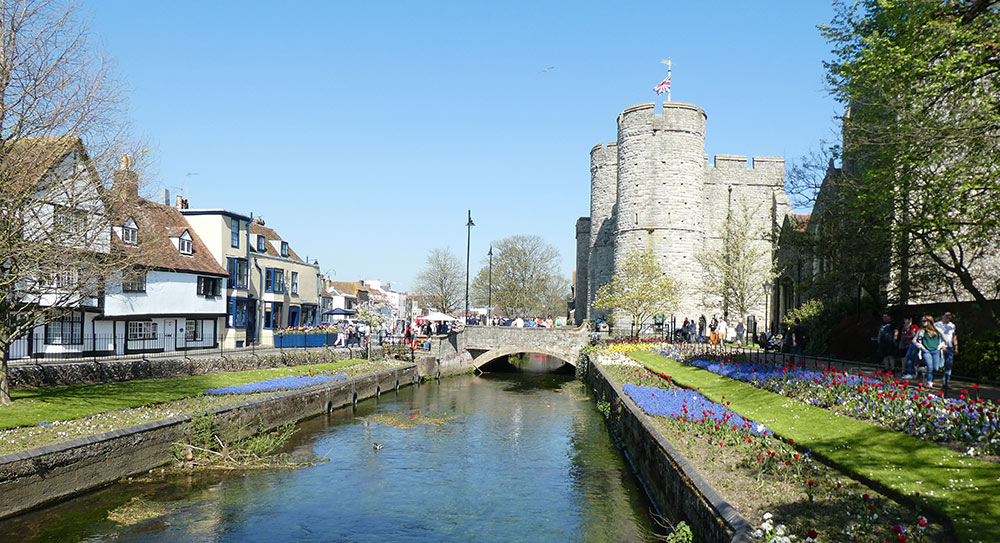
653	189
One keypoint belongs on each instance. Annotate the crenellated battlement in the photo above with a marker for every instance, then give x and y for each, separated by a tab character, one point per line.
776	163
604	151
730	162
675	116
739	162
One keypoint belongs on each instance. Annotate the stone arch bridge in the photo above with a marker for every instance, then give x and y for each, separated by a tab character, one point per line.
476	346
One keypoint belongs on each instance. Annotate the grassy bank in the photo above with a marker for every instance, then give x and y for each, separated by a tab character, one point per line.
961	487
34	406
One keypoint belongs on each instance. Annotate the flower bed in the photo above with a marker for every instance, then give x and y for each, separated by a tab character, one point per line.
759	472
688	405
879	397
280	383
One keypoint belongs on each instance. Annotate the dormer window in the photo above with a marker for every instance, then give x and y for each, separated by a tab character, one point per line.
130	232
184	244
261	248
284	248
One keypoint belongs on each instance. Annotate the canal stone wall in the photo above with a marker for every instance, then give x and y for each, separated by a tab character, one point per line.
672	482
33	478
41	374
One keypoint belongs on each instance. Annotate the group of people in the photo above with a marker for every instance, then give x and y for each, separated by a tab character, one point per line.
718	331
922	343
533	323
350	333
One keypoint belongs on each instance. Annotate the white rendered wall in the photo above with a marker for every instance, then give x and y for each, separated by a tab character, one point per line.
167	293
215	234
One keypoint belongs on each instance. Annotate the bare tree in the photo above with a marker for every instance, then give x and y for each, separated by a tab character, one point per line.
737	266
441	282
62	123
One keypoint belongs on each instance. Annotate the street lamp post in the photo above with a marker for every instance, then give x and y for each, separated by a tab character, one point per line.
767	308
468	242
489	303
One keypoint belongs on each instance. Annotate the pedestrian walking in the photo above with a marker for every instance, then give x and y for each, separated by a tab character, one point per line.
929	341
798	334
911	353
888	337
947	330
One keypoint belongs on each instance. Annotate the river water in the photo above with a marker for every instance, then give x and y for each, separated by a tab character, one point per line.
500	457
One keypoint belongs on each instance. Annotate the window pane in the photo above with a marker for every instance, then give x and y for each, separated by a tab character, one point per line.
244	273
234	226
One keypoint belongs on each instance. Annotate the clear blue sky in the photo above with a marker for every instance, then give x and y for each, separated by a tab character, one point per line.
363	131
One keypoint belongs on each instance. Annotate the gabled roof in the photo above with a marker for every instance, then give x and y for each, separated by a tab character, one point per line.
349	288
157	224
271	235
27	160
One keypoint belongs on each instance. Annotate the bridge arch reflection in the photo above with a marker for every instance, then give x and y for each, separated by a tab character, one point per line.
522	362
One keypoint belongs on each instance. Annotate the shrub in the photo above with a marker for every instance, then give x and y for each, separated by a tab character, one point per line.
835	329
980	357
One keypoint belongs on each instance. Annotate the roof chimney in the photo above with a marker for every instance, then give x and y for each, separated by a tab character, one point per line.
126	182
182	203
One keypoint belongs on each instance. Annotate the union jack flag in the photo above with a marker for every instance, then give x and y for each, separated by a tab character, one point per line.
664	86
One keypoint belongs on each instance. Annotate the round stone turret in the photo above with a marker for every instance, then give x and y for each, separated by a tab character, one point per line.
603	193
661	172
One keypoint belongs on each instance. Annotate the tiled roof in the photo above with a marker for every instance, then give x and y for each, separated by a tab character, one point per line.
157	224
28	159
802	221
271	235
350	288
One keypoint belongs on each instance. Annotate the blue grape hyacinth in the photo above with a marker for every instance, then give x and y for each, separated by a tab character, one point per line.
280	383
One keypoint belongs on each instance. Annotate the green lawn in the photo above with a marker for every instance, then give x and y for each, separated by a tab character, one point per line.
32	406
966	489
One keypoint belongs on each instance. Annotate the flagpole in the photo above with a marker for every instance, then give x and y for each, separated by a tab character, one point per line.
668	77
669	67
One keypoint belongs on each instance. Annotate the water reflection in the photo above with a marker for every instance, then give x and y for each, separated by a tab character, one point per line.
519	457
528	363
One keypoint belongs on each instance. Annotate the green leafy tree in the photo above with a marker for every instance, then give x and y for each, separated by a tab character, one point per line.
737	266
639	290
921	155
526	280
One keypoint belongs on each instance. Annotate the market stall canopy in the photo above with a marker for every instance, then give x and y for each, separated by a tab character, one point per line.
340	311
434	316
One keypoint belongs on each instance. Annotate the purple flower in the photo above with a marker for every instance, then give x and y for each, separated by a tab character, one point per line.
280	383
688	405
